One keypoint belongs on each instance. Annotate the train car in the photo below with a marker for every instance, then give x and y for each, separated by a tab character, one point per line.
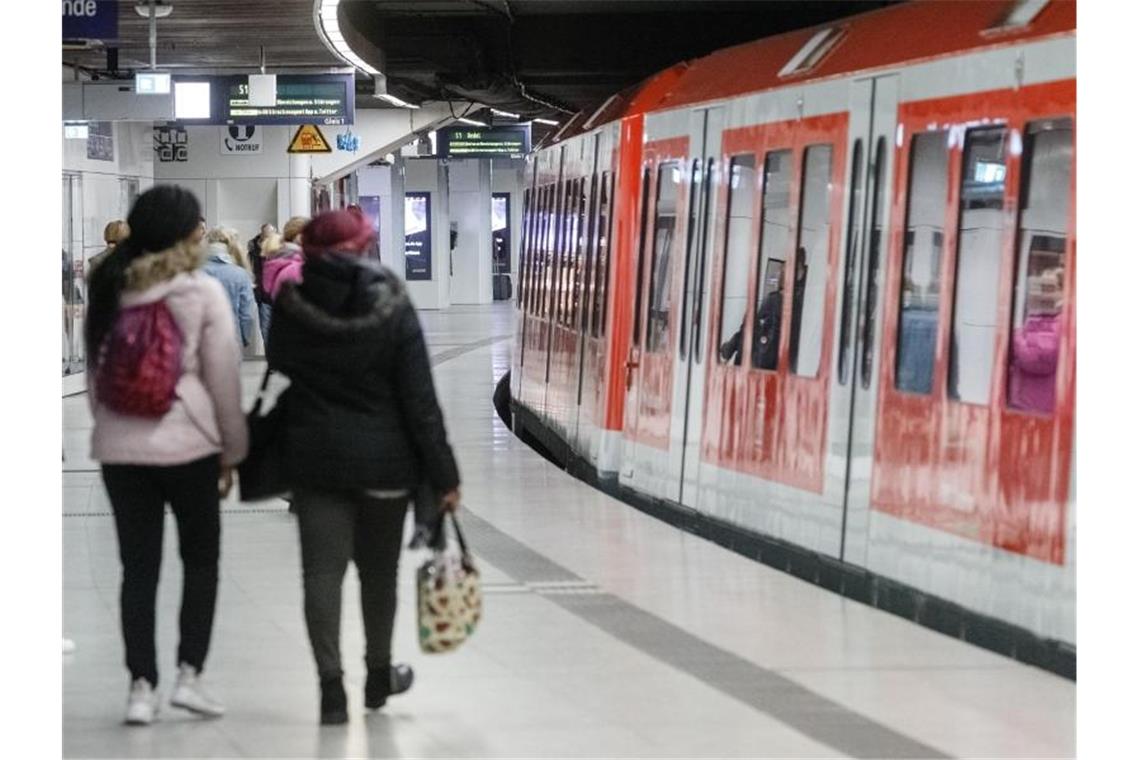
819	290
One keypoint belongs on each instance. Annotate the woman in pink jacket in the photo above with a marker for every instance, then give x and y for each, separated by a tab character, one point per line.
1033	353
283	260
165	394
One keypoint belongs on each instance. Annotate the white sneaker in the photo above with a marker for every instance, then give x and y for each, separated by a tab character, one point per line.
188	694
142	703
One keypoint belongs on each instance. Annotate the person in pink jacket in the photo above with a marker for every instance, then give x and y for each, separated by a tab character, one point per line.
183	456
283	259
1033	352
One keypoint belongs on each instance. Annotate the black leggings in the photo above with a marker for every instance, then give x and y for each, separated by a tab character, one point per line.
138	495
337	527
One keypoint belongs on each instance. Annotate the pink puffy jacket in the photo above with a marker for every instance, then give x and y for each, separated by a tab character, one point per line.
206	417
282	268
1033	364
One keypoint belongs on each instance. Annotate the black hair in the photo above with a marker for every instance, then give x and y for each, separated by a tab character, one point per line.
161	217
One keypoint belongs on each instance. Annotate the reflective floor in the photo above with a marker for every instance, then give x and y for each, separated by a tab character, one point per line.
606	633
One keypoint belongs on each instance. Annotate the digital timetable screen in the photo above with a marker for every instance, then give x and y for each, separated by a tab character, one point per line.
323	99
512	141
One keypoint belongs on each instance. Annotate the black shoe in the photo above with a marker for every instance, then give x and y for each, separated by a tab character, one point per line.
334	702
386	682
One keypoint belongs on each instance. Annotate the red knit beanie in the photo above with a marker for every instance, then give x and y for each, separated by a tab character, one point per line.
339	231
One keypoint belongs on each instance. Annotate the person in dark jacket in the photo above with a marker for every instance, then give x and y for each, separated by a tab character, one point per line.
363	432
253	249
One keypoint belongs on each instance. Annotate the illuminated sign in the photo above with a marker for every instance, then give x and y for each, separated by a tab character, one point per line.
327	99
493	142
417	236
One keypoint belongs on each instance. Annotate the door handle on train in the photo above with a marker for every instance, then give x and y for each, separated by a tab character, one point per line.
630	366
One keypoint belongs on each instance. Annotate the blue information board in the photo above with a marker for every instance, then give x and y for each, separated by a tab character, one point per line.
90	19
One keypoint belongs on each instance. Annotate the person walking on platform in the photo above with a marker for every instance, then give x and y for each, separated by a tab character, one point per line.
281	260
364	429
221	264
253	251
114	233
165	395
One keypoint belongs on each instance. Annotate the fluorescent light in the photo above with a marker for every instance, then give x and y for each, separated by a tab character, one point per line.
329	30
75	131
472	122
506	114
395	101
545	121
191	100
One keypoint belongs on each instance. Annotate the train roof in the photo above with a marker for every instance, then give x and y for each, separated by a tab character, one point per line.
883	38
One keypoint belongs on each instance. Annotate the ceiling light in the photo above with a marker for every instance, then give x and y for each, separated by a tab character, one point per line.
380	91
472	122
505	114
162	9
545	121
328	28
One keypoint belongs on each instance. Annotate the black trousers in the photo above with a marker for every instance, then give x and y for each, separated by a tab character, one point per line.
138	495
334	528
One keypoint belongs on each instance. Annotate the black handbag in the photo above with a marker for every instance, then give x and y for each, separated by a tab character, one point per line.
262	475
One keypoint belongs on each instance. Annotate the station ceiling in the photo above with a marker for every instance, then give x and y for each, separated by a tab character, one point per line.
533	57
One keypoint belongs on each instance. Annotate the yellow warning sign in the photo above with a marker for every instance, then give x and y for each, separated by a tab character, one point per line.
308	139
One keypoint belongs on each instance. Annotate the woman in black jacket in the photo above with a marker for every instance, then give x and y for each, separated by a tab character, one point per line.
364	429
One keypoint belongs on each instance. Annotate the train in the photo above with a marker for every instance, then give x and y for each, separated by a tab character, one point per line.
815	295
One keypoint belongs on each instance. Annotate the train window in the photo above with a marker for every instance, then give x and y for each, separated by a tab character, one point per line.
1042	234
978	265
523	253
775	226
813	241
664	225
922	263
871	292
737	239
642	256
590	248
601	256
581	258
602	266
711	172
542	261
850	265
535	250
691	241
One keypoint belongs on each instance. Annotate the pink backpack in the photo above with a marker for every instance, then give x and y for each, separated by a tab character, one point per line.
141	361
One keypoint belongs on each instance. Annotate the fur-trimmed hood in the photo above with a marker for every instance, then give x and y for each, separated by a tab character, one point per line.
152	269
342	294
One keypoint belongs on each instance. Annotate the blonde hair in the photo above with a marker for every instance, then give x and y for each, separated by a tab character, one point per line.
116	232
271	246
292	229
229	239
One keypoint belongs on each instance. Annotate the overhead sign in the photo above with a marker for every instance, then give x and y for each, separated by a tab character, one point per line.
90	19
512	141
308	139
240	139
328	99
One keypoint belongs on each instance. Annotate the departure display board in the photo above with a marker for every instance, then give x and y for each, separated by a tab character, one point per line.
511	141
328	99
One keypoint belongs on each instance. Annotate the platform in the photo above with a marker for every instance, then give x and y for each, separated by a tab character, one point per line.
607	633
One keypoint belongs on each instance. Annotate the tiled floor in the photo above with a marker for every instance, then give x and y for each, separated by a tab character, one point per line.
606	633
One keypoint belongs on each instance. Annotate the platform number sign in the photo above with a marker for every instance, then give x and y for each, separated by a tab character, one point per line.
171	145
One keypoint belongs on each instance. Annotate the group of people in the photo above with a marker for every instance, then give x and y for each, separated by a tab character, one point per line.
363	429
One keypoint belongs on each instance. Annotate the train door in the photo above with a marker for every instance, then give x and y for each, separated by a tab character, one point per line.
585	285
641	255
873	122
705	129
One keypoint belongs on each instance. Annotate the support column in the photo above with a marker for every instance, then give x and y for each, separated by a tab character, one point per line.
300	187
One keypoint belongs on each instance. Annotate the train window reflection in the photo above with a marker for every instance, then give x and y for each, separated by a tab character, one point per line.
978	267
664	225
1042	233
810	283
737	239
874	250
642	256
775	228
850	270
922	263
602	257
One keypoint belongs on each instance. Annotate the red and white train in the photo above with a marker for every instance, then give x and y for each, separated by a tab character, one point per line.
883	209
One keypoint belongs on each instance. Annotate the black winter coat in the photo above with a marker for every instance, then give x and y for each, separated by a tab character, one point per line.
361	408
